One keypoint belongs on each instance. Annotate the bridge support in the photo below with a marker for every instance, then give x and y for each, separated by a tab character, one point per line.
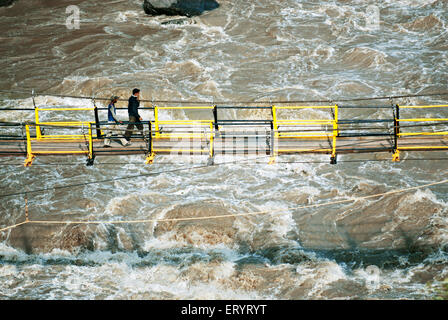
29	155
90	161
150	158
396	156
333	159
29	160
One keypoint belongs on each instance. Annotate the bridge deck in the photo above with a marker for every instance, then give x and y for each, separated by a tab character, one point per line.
326	135
226	143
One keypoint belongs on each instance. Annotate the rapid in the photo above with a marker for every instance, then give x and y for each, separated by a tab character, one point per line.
391	247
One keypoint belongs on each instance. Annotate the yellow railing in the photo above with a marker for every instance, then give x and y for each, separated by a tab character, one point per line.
305	129
330	130
80	124
423	121
157	121
205	132
201	129
425	107
31	154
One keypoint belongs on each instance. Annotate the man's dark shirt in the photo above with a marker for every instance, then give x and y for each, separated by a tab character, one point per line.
133	107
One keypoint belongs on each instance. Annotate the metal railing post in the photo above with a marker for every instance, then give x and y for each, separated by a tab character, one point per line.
29	152
215	116
212	150
333	159
396	155
336	117
151	154
274	119
36	120
273	154
156	120
91	157
97	120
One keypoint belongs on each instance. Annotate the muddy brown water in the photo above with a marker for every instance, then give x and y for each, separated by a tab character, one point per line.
245	50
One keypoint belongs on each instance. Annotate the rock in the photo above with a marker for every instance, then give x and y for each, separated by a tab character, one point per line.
181	21
198	232
4	3
35	238
178	7
345	289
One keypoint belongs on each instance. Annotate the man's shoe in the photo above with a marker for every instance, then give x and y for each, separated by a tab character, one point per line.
127	144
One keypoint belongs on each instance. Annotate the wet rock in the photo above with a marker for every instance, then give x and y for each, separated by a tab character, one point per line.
264	279
429	273
206	272
187	8
181	21
280	255
75	237
4	3
343	289
201	231
36	238
407	222
425	23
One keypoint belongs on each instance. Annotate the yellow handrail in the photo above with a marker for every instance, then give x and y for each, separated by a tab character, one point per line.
29	151
31	154
58	123
422	119
274	121
422	133
90	142
305	107
156	121
336	119
424	107
181	108
335	134
211	140
306	129
64	109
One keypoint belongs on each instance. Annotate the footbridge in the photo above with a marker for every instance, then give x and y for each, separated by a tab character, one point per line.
264	129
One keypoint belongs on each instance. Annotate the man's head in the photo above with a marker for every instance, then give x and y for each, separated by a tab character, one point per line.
114	99
136	92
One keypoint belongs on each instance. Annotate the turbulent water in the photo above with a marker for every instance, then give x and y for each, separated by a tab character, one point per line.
387	247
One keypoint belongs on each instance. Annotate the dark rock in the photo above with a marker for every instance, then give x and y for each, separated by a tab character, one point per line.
187	8
4	3
181	21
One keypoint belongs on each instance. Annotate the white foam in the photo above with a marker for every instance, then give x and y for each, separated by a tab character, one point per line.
320	276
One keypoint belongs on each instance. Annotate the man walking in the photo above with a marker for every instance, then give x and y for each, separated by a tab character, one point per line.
113	123
134	117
